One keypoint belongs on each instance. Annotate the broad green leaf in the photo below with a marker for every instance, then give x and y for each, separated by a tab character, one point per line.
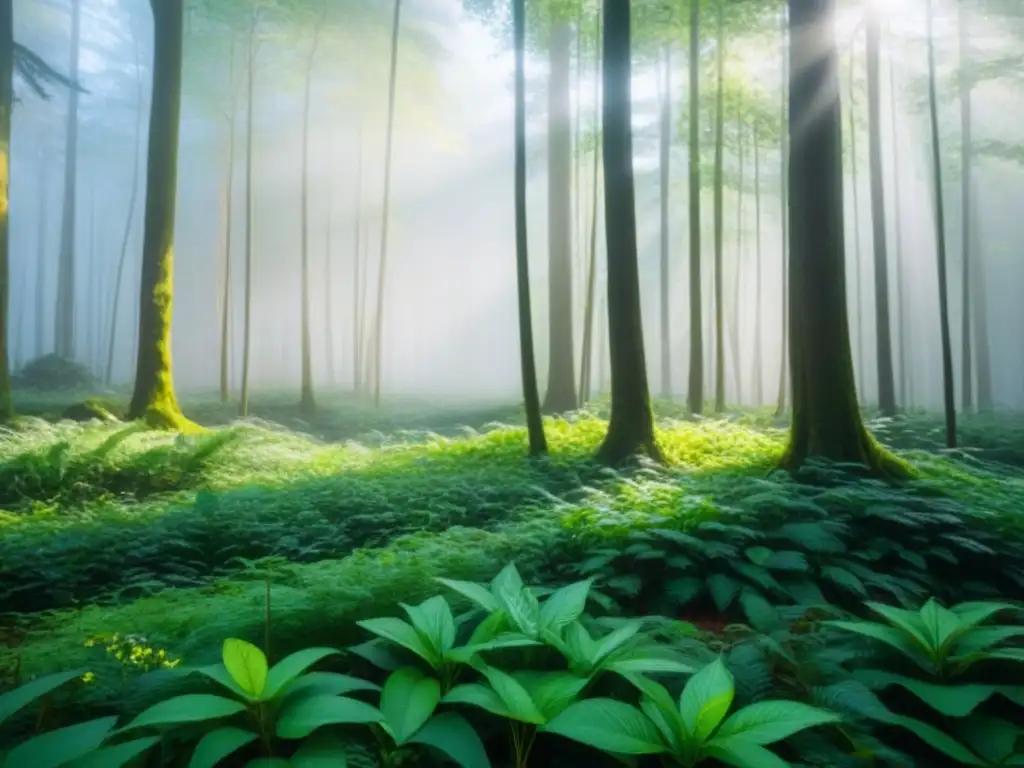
639	663
891	636
723	591
478	593
269	762
379	653
320	683
758	555
1007	654
407	702
665	722
290	667
494	625
321	750
450	734
56	748
300	718
565	606
478	695
684	590
189	708
434	621
516	698
523	610
766	722
218	744
400	633
972	614
761	614
507	583
466	653
949	700
787	560
981	639
609	725
844	579
992	738
247	666
706	700
909	622
743	754
219	674
611	642
937	740
941	624
115	756
23	695
552	692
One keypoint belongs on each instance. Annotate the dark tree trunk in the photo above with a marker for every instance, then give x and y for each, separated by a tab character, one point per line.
64	316
949	397
780	404
826	418
528	365
243	405
758	377
857	315
719	212
587	354
883	324
6	104
665	143
631	429
153	398
561	391
967	142
695	391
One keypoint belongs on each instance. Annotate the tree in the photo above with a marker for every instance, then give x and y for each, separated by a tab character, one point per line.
826	418
6	104
665	142
719	211
695	394
528	365
154	399
631	428
250	75
857	315
786	70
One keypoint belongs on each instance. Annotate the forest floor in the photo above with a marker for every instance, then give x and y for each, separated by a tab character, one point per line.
107	528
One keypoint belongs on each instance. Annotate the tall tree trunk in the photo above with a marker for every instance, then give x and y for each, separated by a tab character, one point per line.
153	398
587	353
719	211
979	313
966	168
858	261
133	197
64	317
243	405
901	317
329	272
883	324
225	301
6	104
42	255
358	310
527	361
561	391
734	329
695	391
784	364
307	400
948	394
378	326
758	377
665	144
826	418
631	428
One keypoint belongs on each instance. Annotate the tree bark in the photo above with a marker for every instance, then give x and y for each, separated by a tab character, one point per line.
734	329
758	375
631	428
329	273
695	391
665	144
243	405
979	314
826	418
858	253
229	198
6	105
587	354
780	404
906	369
153	398
358	305
719	212
528	365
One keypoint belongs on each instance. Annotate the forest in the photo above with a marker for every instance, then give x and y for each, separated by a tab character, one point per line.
511	383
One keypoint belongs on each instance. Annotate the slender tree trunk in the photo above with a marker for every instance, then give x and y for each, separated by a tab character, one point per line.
133	197
631	428
695	392
247	308
153	398
949	397
826	418
979	314
883	324
758	377
225	302
966	187
329	272
358	291
64	330
531	394
665	142
41	257
588	313
719	211
857	314
561	391
307	400
901	317
734	330
378	326
780	404
6	104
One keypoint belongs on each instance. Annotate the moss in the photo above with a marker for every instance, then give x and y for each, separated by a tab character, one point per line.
93	408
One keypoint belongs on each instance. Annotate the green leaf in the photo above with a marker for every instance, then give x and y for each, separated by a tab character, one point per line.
552	692
608	725
891	636
981	639
450	734
218	744
434	621
638	662
379	653
408	701
743	754
290	667
508	583
758	555
941	623
247	666
521	606
115	756
298	719
613	641
268	762
706	700
787	561
321	750
843	578
55	748
723	591
478	695
667	723
766	722
992	738
907	621
321	683
475	592
219	674
937	740
949	700
565	606
400	633
23	695
515	697
685	589
189	708
761	614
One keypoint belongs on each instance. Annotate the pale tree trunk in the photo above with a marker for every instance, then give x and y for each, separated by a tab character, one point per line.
358	289
587	352
665	175
229	198
695	391
719	213
979	314
906	370
758	377
64	316
734	326
329	272
41	261
247	307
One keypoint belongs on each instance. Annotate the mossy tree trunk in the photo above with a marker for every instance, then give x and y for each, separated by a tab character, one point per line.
64	316
6	104
780	403
719	209
664	174
527	360
631	429
826	418
695	389
153	398
948	394
883	322
561	389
